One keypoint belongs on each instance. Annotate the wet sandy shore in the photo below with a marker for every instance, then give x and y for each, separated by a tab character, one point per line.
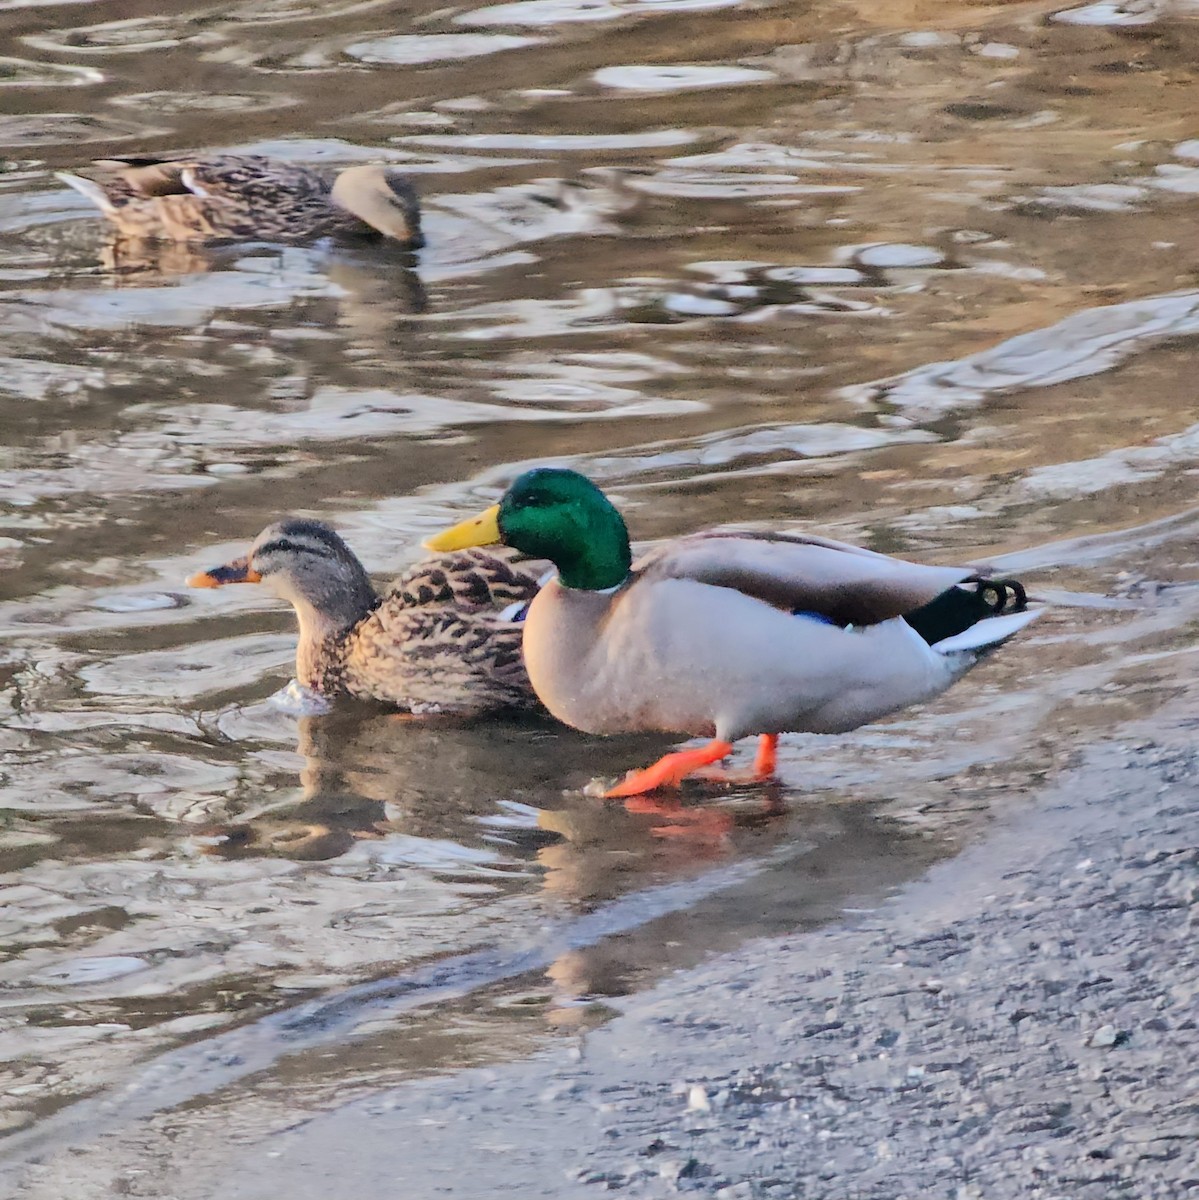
1020	1022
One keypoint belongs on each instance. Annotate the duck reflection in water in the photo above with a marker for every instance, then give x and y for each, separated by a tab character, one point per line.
370	291
481	803
830	853
480	786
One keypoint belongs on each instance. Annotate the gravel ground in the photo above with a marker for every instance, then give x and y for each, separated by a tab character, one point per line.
1021	1023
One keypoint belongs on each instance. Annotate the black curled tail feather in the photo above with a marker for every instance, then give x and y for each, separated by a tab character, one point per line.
963	606
1010	596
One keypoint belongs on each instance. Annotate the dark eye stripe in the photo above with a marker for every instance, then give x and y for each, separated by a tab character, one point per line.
285	545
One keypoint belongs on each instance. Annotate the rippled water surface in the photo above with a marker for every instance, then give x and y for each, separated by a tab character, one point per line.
920	275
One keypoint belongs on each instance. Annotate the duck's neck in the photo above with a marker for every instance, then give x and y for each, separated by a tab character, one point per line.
320	649
598	562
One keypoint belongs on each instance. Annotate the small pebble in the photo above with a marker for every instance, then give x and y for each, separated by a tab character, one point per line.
1103	1037
697	1098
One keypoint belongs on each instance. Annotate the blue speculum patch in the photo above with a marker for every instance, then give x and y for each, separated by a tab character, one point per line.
815	616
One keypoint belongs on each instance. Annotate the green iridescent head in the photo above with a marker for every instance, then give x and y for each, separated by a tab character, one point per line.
556	514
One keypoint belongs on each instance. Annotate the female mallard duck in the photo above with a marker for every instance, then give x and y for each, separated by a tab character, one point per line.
729	634
445	639
212	197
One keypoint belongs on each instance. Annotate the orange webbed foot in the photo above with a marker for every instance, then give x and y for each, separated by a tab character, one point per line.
762	771
766	760
670	771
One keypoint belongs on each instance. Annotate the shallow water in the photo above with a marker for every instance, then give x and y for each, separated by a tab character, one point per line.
916	275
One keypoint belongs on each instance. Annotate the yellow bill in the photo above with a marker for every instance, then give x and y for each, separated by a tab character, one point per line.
483	530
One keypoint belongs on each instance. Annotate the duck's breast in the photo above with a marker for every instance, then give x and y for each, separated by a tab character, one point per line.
682	656
626	661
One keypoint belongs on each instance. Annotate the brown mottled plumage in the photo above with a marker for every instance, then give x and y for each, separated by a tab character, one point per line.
438	642
467	579
213	197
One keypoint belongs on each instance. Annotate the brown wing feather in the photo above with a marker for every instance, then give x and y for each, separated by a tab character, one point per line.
437	660
159	179
803	574
470	579
142	177
256	179
229	173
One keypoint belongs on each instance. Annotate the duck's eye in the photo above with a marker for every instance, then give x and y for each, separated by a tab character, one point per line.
537	500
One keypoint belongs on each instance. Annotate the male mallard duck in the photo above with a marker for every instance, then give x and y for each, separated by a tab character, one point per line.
443	640
729	634
211	197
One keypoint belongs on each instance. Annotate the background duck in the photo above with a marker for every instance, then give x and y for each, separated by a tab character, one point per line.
729	634
445	639
249	196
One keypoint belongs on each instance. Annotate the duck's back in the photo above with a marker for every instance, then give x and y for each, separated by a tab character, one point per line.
447	637
437	659
220	196
470	579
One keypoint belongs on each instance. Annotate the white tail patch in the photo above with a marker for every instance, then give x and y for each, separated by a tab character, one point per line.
187	177
988	632
85	187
